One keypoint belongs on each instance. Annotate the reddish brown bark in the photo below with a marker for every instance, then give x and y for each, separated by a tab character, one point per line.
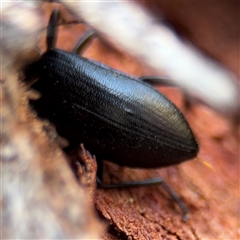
209	185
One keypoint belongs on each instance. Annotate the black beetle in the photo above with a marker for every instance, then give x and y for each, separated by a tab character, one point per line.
117	117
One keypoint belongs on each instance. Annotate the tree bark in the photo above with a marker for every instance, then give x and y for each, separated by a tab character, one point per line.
208	185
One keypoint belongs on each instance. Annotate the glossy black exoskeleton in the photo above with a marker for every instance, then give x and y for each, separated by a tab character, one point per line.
118	117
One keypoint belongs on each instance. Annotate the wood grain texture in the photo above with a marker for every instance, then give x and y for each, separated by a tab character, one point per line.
209	184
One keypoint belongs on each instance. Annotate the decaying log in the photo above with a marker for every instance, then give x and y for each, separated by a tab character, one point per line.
38	184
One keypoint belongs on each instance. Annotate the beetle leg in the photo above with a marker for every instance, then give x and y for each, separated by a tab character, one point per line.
51	34
51	29
164	81
147	182
83	42
139	183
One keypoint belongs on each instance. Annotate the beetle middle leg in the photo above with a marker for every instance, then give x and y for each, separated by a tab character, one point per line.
165	82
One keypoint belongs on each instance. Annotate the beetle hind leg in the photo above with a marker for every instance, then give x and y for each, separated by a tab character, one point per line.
149	182
165	82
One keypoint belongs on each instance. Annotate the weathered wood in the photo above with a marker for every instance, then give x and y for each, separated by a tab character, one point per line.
209	185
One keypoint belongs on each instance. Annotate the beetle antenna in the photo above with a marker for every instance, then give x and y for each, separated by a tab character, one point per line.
51	30
163	81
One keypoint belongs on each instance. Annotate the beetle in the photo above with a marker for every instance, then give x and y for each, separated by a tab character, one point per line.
118	117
